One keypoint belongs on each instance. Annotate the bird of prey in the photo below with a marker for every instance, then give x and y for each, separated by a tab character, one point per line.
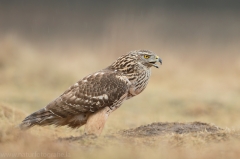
91	100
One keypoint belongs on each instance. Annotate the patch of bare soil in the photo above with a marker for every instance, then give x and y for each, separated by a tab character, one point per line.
163	128
154	129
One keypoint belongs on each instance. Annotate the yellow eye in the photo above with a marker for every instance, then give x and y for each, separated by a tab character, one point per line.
146	56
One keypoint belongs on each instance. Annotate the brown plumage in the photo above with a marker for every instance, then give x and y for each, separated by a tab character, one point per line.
91	100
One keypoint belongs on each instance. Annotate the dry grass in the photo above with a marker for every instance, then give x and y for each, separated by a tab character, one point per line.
187	88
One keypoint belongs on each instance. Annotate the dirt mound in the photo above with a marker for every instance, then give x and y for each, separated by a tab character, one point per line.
9	115
161	128
9	118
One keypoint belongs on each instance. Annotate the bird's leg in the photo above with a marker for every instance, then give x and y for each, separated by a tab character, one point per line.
96	121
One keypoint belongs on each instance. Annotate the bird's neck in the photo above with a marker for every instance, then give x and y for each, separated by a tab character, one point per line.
131	69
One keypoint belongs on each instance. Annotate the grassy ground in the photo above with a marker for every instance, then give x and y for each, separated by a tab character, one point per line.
203	86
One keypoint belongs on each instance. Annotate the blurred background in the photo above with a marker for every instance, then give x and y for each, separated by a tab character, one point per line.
46	46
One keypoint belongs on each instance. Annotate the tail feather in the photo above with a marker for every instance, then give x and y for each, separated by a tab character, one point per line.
44	117
40	117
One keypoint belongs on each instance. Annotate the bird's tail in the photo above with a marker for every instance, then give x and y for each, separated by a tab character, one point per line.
41	117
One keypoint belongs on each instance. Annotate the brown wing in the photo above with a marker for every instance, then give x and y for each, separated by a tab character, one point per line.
90	94
73	107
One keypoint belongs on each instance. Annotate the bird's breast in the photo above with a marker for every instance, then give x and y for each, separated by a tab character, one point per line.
139	83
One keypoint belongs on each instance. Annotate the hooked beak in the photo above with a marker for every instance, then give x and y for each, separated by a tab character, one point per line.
157	60
160	60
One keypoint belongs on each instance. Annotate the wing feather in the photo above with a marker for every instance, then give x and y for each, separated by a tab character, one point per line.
90	94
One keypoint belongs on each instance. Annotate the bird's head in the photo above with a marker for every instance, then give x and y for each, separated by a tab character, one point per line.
142	58
146	58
